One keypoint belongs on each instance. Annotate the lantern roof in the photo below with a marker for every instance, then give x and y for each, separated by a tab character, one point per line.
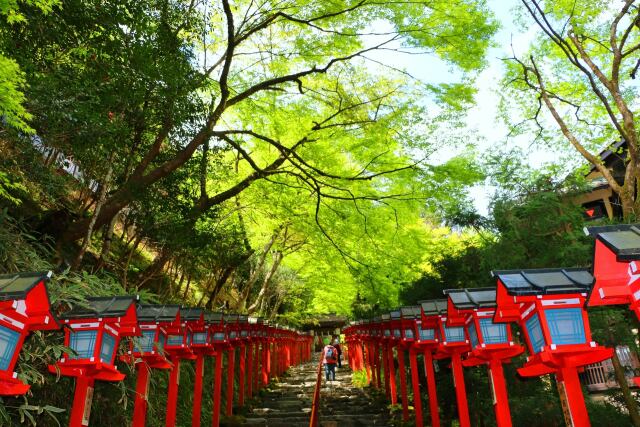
243	318
231	318
157	313
17	286
472	298
212	317
622	239
545	281
191	314
115	306
385	317
434	307
395	314
410	312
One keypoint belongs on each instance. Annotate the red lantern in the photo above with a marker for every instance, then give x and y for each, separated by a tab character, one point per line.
452	343
548	305
491	343
616	266
410	316
93	333
24	307
147	351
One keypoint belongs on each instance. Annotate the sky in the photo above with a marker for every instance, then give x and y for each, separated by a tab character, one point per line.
483	117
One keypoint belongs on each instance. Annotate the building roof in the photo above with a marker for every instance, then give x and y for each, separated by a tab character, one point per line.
545	281
102	307
17	286
622	239
434	307
472	298
157	313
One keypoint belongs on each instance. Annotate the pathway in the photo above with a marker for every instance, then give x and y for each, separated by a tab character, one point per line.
288	403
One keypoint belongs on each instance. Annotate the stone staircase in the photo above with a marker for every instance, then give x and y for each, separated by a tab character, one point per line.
288	403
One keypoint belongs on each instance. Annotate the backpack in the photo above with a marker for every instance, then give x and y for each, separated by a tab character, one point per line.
329	354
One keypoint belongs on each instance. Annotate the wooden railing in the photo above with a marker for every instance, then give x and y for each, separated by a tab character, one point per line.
315	405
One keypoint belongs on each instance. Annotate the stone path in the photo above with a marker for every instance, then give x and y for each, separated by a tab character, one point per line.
288	403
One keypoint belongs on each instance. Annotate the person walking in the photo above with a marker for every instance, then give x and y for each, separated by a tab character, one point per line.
336	345
330	359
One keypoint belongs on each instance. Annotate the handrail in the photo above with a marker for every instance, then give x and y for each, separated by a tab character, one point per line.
315	405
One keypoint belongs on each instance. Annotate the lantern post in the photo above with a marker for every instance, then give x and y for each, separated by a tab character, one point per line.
233	325
201	346
491	343
410	315
219	337
93	333
387	354
24	307
548	305
245	325
432	338
147	351
179	348
397	327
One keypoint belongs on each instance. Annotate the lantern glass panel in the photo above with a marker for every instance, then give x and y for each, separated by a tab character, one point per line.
83	343
244	333
200	338
493	333
473	335
396	333
387	333
144	343
566	325
108	347
408	334
174	340
454	334
427	334
218	336
534	330
189	339
232	334
162	341
8	344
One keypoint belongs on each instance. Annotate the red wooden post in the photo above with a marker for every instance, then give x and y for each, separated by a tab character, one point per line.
403	384
569	385
385	362
172	395
217	390
231	360
392	375
197	391
242	374
415	383
257	358
500	397
266	363
82	399
376	363
431	388
250	370
461	392
368	362
140	402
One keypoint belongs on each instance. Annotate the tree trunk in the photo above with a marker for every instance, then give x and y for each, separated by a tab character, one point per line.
101	199
226	273
277	259
155	267
106	242
255	273
621	379
186	289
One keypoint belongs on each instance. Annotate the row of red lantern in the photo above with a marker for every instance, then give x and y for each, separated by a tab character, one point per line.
160	337
472	327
